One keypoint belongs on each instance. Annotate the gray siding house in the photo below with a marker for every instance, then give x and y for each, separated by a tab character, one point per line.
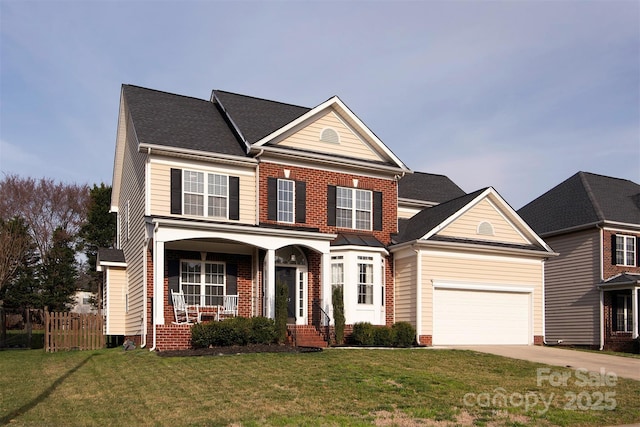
591	288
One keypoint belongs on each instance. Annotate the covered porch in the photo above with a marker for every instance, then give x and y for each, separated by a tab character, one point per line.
233	270
619	298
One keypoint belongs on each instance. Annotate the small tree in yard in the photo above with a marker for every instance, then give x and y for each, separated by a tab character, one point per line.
282	295
59	273
338	313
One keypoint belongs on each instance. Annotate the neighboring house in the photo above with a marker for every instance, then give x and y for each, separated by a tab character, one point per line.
470	271
591	294
82	303
231	196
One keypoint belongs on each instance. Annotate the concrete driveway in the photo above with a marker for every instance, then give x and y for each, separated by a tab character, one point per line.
626	367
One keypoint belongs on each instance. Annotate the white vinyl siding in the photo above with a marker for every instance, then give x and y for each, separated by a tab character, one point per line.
160	186
350	143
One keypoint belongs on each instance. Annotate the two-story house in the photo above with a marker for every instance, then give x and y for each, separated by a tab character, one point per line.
232	196
591	289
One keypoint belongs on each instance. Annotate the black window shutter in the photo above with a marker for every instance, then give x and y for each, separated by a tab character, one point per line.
234	197
272	199
331	205
637	252
377	210
613	249
301	202
173	266
176	191
232	279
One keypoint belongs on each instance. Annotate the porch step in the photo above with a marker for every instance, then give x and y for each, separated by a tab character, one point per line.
306	336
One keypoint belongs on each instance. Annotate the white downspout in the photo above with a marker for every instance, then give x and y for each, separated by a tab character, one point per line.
601	319
634	312
601	322
143	344
544	327
418	294
155	229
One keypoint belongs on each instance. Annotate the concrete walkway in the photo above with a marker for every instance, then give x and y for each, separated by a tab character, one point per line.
625	367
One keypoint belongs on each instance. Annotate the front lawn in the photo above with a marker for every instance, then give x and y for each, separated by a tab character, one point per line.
334	387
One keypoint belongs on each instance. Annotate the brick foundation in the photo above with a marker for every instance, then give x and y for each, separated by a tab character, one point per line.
538	340
425	340
173	337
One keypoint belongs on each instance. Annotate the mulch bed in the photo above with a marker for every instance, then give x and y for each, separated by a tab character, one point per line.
237	349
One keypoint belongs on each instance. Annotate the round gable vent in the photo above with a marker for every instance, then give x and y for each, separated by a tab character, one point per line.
329	135
485	228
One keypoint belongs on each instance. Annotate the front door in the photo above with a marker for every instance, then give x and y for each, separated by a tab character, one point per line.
287	275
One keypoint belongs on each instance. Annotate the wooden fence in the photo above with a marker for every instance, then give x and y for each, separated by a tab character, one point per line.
73	331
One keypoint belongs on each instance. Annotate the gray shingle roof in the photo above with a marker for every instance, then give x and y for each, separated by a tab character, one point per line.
162	118
428	218
255	117
357	240
583	199
428	187
111	255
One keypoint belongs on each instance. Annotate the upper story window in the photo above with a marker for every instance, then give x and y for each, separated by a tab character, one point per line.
286	200
625	250
205	194
353	208
197	201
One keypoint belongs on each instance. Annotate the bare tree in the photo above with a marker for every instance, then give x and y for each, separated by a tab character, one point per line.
14	242
45	206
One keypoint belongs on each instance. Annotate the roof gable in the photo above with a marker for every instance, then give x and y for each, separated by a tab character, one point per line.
360	135
582	200
462	219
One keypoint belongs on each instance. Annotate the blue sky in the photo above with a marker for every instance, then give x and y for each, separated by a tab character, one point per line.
517	95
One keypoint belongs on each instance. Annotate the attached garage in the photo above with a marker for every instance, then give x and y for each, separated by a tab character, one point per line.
467	315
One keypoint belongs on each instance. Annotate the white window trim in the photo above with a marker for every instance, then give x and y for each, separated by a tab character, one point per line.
354	209
202	282
293	201
365	260
205	194
625	252
627	311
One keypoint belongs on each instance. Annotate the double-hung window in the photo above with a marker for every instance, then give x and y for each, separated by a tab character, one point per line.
286	200
353	208
337	271
625	250
365	280
197	201
203	283
624	318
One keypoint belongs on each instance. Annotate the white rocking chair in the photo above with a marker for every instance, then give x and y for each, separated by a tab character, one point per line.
184	313
229	307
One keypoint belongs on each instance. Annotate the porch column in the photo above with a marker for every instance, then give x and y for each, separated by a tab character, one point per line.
326	295
158	282
270	291
634	311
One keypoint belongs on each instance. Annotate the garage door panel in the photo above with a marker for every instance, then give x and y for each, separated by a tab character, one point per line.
467	317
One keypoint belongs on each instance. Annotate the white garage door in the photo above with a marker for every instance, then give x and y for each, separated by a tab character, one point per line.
467	317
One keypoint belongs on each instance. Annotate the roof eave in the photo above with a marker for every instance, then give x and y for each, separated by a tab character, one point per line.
475	247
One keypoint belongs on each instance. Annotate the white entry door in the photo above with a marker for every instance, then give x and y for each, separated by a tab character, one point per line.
474	317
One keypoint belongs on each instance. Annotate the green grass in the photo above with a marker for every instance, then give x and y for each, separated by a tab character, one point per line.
334	387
